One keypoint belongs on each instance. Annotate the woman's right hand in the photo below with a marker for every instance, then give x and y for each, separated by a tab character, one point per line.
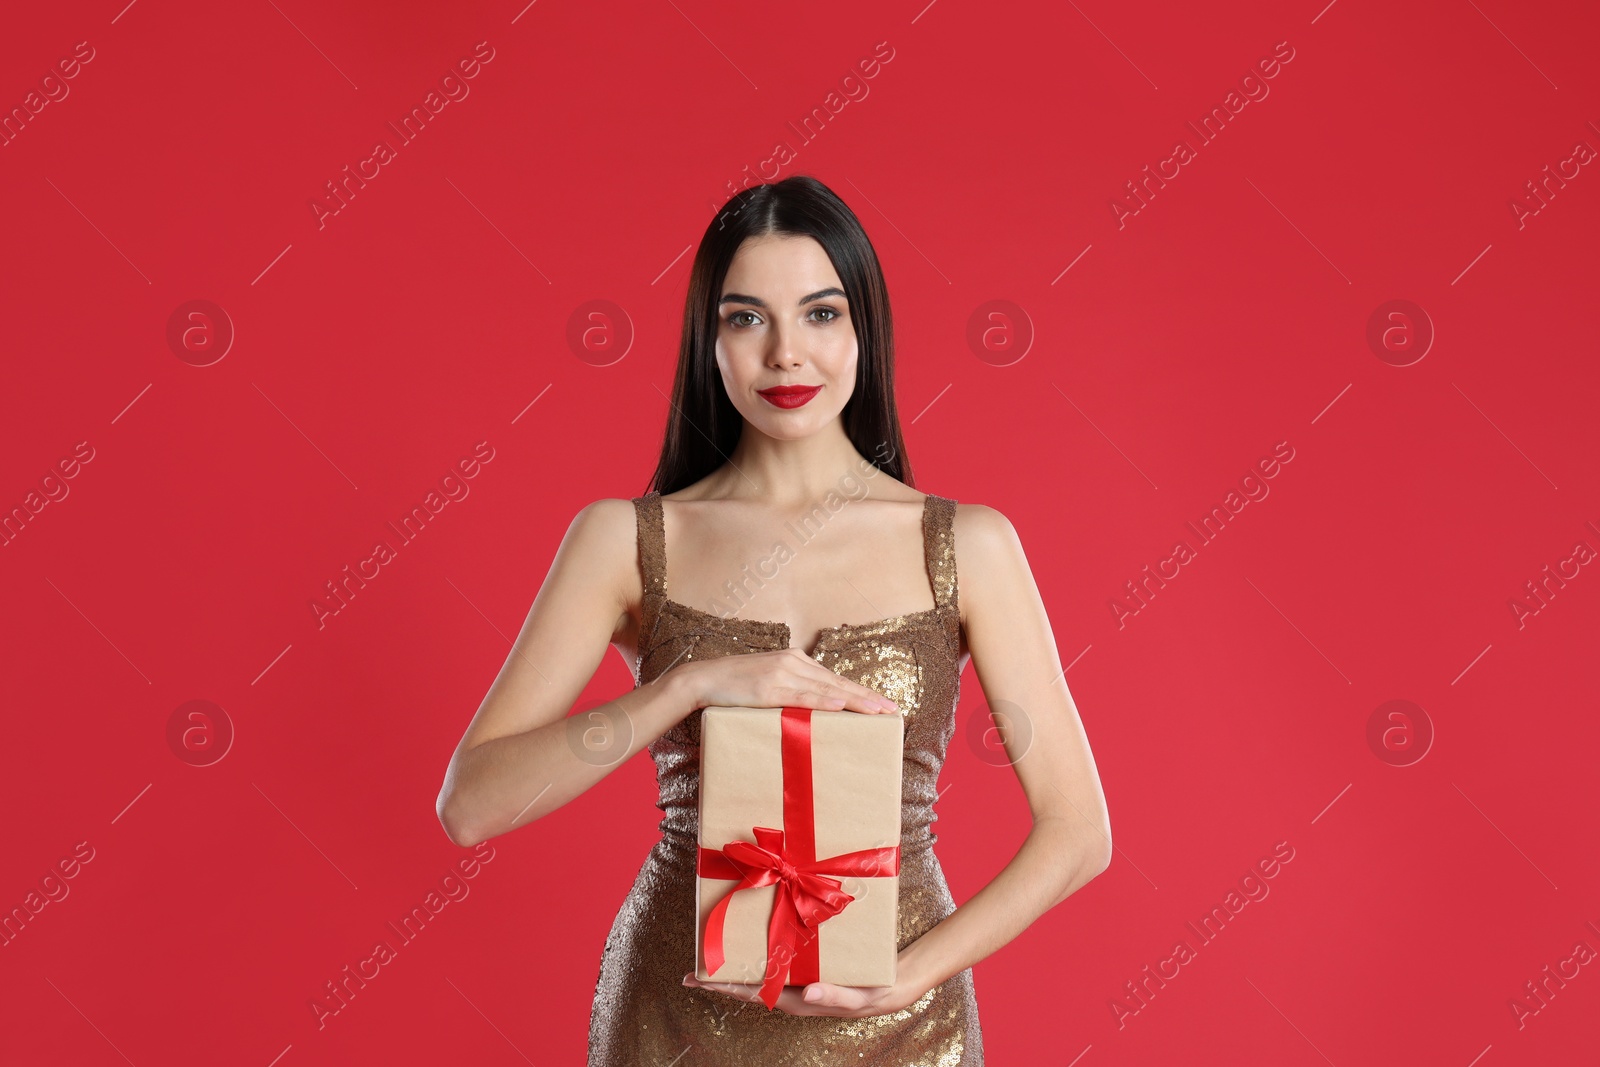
784	678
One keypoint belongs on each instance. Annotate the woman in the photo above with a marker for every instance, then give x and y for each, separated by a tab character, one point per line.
783	423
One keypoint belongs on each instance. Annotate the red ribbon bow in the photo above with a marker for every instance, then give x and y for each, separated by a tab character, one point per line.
806	896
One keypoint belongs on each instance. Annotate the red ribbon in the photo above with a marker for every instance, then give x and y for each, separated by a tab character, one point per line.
805	897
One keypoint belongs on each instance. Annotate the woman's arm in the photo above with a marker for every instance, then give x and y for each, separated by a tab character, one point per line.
1014	654
520	757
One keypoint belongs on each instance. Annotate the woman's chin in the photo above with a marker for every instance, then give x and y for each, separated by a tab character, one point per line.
791	427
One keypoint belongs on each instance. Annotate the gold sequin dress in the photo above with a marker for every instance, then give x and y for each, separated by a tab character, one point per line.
643	1015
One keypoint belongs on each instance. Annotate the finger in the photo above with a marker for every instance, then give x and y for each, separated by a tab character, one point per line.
829	999
818	687
828	696
866	693
847	694
803	697
827	995
828	680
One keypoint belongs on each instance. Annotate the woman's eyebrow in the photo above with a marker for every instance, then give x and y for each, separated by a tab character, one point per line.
741	298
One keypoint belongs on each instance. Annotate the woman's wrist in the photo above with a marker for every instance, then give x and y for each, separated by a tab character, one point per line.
678	692
913	971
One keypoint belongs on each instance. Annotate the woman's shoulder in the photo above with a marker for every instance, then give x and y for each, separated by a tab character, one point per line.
602	542
985	542
604	534
983	528
978	517
608	514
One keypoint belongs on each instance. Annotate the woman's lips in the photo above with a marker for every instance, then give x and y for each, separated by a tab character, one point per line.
789	396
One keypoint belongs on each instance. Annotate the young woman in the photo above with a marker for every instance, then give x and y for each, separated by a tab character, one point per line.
783	493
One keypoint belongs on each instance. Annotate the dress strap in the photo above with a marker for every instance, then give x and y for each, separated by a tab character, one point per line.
939	546
652	537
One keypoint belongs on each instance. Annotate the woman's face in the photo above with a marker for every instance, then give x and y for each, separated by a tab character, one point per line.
783	321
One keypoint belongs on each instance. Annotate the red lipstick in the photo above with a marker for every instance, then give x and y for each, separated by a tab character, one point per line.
789	396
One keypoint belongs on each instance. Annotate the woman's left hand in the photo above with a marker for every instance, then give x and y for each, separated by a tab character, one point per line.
825	998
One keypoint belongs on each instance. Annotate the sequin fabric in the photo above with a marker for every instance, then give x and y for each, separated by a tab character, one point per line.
643	1014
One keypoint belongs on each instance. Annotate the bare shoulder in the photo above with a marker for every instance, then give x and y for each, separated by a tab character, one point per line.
982	534
601	542
988	551
603	524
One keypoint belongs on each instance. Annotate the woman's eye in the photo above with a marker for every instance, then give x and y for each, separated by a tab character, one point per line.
737	319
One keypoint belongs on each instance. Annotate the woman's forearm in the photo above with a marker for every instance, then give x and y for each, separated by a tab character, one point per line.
1056	860
510	781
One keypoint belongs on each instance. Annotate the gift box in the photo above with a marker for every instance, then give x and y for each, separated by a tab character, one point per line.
799	858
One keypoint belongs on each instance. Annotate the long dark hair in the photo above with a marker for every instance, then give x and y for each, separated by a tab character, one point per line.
703	426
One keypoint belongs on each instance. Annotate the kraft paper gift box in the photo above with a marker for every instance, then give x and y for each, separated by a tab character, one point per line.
799	857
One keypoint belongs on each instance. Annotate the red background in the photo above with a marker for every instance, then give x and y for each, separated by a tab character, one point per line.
427	315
